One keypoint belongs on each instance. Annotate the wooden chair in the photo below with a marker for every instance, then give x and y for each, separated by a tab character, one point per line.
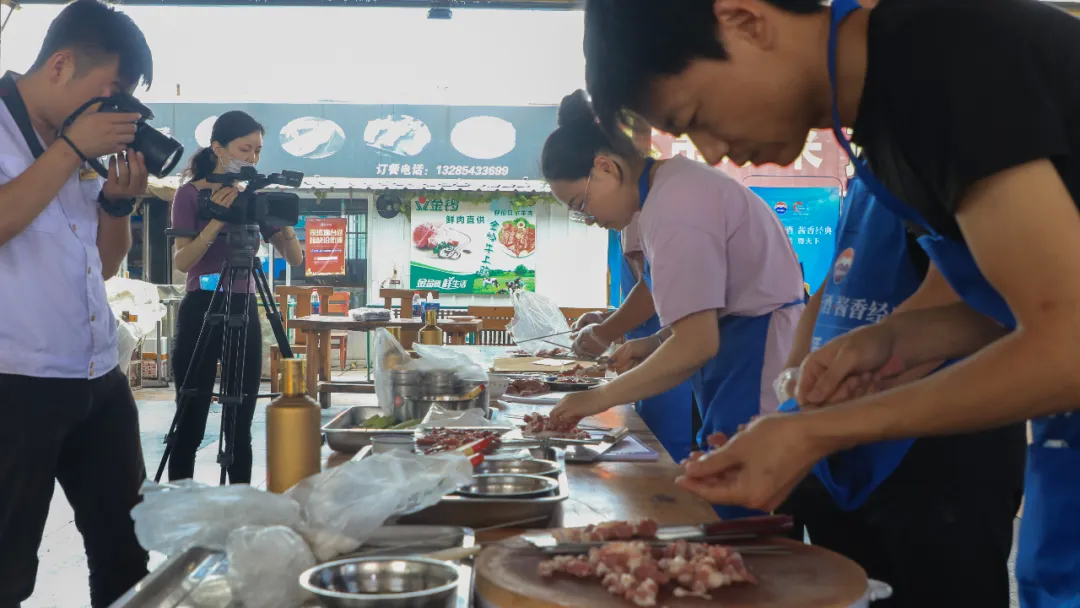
338	340
404	297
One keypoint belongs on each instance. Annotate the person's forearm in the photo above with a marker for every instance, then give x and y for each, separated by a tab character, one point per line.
113	241
289	246
969	396
28	194
187	254
678	357
804	331
635	310
933	335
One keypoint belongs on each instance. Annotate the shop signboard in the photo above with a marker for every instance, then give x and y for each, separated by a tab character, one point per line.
324	243
380	141
472	248
810	216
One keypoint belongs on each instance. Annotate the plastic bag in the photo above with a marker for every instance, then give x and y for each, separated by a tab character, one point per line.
389	354
173	518
536	317
264	565
441	357
437	417
352	500
140	299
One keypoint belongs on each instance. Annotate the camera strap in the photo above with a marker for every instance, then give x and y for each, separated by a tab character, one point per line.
20	114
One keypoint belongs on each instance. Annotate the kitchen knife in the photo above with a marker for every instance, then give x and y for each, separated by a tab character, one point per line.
746	528
587	453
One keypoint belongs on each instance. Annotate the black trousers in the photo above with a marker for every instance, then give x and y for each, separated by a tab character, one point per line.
84	434
939	530
192	425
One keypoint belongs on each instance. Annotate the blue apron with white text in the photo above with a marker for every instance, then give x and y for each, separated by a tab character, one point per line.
872	274
1048	558
668	414
728	387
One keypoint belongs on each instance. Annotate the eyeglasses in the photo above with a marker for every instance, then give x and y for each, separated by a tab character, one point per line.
580	213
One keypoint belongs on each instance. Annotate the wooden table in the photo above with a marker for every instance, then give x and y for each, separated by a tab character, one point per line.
318	330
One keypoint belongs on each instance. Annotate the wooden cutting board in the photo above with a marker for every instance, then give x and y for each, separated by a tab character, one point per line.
809	577
528	364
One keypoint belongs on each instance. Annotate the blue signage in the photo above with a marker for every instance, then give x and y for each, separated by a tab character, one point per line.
810	216
380	141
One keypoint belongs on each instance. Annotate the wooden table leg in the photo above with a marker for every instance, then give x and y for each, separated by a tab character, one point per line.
457	338
324	352
314	362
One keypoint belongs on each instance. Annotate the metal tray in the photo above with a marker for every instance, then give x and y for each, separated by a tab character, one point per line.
456	510
196	577
343	433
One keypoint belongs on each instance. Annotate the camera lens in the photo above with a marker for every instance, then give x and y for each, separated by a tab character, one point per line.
162	152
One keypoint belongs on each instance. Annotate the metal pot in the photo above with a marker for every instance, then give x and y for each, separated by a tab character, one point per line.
407	582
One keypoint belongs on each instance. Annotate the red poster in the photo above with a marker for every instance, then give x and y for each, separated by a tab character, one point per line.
325	245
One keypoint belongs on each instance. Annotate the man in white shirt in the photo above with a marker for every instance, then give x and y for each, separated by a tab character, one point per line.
67	410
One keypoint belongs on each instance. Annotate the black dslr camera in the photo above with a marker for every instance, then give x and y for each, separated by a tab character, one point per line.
271	209
162	153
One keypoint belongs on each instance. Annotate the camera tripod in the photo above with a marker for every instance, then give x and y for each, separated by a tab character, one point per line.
240	264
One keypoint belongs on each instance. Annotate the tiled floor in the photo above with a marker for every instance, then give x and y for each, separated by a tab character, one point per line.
61	581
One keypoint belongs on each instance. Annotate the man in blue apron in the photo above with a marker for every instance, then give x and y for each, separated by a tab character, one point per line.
922	516
965	111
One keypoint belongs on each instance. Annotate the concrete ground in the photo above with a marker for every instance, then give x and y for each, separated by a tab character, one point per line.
62	576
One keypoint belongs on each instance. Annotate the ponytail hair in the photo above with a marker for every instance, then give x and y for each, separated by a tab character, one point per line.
571	150
229	126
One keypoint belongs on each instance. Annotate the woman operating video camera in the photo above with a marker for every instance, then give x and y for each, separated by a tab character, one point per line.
236	142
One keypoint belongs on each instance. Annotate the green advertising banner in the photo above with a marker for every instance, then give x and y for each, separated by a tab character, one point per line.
472	248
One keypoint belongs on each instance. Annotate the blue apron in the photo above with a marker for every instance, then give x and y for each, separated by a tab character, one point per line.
668	414
728	388
872	274
1048	558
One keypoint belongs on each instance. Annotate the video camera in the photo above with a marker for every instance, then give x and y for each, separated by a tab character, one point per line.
162	153
272	209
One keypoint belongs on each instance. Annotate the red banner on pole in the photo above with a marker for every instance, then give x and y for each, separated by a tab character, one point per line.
325	246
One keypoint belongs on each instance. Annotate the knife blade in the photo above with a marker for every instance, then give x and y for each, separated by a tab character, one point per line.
735	529
582	548
591	453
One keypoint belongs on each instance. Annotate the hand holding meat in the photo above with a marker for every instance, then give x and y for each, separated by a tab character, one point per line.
589	318
589	342
759	466
576	406
853	365
631	354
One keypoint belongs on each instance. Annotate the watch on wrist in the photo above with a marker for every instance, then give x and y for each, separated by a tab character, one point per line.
119	208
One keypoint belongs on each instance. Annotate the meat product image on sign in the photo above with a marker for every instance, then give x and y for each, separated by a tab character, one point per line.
638	572
526	387
539	425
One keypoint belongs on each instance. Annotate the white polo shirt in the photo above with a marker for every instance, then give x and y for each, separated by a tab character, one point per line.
55	320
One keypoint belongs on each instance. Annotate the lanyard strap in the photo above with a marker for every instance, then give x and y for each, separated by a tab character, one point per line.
643	181
19	114
841	9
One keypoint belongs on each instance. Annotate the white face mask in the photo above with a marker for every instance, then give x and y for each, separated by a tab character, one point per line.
234	165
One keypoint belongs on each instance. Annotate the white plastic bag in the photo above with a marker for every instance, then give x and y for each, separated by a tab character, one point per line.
354	499
264	565
173	518
437	417
441	357
137	298
536	317
389	354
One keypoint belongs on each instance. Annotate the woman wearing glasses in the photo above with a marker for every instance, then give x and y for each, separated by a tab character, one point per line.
725	280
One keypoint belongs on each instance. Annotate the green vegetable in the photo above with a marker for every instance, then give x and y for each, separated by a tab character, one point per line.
378	422
408	424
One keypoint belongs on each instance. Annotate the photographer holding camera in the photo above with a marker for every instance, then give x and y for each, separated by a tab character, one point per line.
69	414
236	142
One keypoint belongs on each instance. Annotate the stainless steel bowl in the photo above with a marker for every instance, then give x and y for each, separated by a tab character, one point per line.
510	486
544	468
416	409
408	582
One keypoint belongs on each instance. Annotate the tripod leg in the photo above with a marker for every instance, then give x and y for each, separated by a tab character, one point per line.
272	312
186	392
231	394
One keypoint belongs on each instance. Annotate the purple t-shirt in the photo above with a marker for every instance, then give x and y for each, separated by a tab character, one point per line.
185	217
712	244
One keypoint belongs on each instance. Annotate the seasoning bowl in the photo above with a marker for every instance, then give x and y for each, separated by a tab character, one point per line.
543	468
408	582
510	486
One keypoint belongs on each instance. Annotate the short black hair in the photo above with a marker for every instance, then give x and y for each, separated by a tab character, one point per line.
570	151
96	32
628	43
